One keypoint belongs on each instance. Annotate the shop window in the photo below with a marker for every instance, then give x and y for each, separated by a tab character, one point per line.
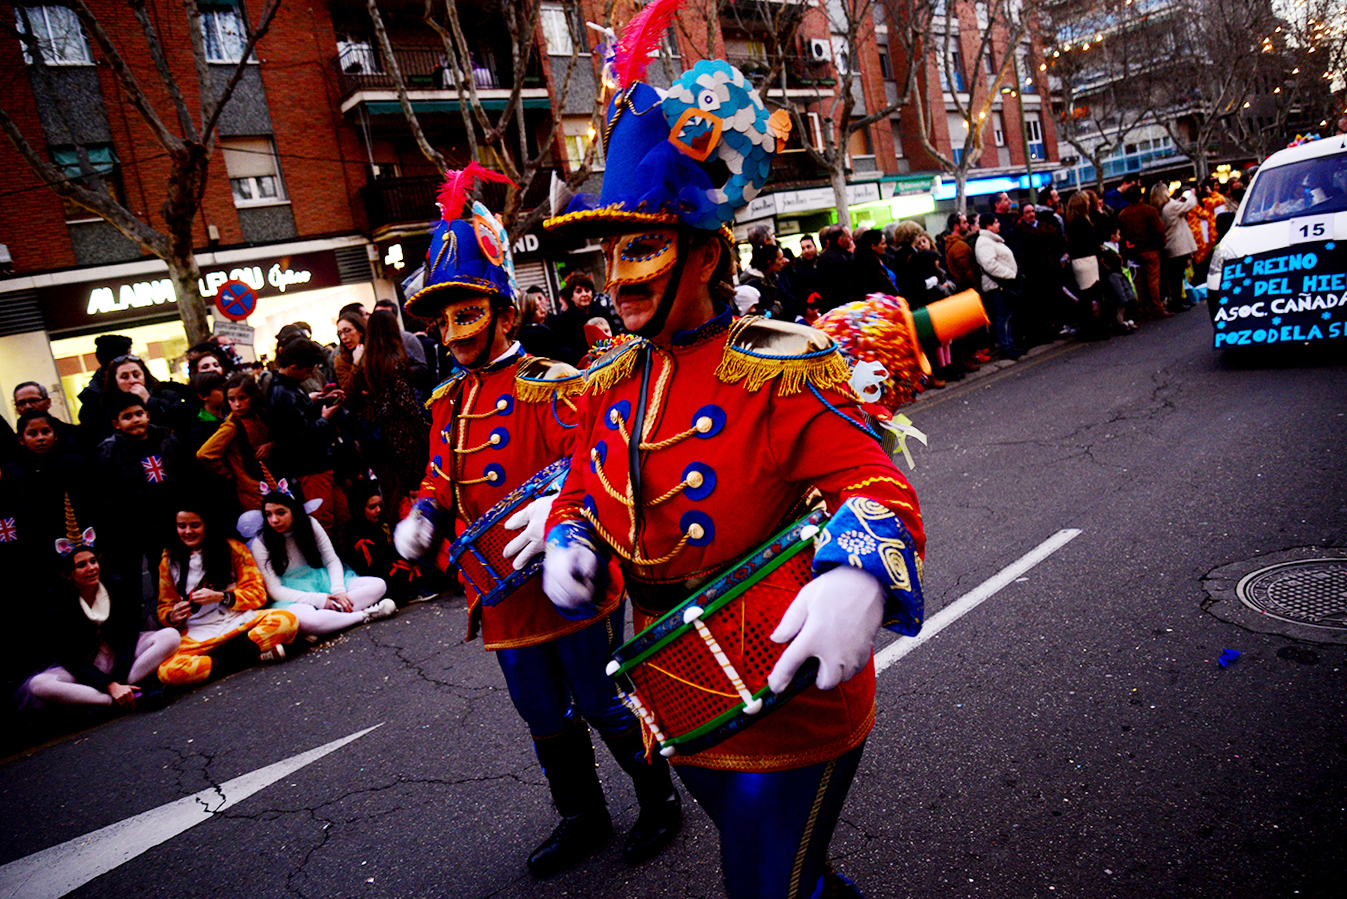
59	35
224	31
557	30
102	160
254	176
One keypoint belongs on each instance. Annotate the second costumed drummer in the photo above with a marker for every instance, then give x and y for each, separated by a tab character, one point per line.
496	422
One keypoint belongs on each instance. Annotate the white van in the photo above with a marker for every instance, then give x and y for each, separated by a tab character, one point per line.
1280	274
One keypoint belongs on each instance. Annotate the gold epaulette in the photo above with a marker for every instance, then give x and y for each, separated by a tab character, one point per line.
444	388
538	380
760	349
613	366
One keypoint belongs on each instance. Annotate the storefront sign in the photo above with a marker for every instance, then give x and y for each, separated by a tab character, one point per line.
1287	295
90	304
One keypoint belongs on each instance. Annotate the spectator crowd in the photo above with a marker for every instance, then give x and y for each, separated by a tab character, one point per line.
178	531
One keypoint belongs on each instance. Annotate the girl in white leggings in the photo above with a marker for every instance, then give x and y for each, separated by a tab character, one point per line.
305	577
102	656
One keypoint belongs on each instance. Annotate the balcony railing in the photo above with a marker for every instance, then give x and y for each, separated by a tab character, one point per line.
802	72
795	167
394	201
360	66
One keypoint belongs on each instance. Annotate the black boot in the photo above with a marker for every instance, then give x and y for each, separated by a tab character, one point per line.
568	762
661	809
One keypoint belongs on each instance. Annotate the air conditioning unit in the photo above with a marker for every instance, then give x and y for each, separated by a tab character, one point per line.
818	50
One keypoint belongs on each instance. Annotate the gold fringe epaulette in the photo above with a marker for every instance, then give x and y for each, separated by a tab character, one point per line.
539	380
760	349
444	388
613	366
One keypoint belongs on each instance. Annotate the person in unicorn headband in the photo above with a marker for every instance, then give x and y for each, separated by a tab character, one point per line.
500	420
698	441
302	572
102	657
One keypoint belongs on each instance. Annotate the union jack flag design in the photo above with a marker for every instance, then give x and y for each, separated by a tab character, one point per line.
8	532
154	469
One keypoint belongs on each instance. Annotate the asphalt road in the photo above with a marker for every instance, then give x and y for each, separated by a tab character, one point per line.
1073	735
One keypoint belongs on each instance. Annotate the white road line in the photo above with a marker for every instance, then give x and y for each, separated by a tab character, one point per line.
973	598
56	871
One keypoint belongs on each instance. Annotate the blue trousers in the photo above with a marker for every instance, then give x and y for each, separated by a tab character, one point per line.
552	681
774	827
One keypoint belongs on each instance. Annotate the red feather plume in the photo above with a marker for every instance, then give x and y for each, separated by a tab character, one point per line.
640	38
453	195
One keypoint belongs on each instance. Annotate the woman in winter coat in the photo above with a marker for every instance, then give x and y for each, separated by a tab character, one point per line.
1179	243
238	449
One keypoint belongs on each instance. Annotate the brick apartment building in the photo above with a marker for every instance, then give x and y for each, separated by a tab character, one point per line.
318	195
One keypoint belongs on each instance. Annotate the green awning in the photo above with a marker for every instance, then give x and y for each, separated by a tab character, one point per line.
393	107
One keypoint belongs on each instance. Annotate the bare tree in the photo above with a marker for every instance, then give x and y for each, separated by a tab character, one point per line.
1306	55
188	143
492	128
1000	26
1219	67
1105	60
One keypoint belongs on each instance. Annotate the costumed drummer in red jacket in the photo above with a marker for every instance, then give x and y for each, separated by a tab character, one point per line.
699	440
497	421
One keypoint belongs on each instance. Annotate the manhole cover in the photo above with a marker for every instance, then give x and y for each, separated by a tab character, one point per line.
1310	592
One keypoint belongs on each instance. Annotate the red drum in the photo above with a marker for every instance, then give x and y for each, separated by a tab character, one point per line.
698	675
479	551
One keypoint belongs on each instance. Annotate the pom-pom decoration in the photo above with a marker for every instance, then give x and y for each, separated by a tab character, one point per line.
880	329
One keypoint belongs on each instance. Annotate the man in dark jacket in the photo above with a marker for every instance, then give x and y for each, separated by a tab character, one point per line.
303	433
835	267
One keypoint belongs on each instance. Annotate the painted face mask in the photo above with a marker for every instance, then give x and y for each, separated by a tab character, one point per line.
468	317
640	256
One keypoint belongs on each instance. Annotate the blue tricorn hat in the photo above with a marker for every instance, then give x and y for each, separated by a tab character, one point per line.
467	256
691	156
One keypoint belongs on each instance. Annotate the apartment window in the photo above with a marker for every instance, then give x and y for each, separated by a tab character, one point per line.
254	176
102	160
958	134
579	133
998	129
224	32
557	30
59	35
1027	83
1034	131
954	69
885	63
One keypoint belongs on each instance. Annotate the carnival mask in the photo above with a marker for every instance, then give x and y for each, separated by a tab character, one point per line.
467	318
640	256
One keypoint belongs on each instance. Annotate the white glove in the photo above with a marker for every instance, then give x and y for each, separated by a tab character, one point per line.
570	574
532	539
414	535
833	618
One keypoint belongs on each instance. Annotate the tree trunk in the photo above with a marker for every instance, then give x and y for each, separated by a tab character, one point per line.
961	189
192	306
837	177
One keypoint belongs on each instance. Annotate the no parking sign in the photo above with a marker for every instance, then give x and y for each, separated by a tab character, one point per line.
235	300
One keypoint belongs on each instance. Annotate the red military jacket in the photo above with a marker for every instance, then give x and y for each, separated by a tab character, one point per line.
491	431
740	422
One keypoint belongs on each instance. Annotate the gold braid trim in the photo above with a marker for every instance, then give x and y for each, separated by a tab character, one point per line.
860	485
632	557
608	371
443	390
759	350
531	391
